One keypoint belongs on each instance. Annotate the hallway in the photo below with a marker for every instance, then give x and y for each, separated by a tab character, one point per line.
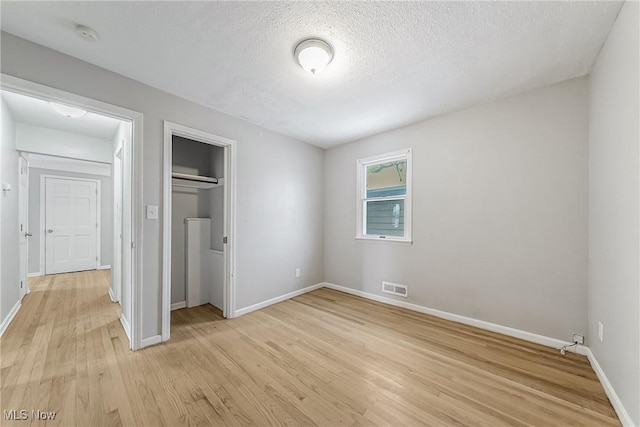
60	352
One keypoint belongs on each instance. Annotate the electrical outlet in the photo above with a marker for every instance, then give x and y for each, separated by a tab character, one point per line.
577	338
297	272
600	331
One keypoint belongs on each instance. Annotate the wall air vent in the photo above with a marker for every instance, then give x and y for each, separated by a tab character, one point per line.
394	289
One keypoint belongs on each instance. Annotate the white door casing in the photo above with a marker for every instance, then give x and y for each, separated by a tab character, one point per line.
116	264
23	215
71	225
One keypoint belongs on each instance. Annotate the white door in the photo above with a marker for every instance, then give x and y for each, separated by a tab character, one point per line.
23	213
71	225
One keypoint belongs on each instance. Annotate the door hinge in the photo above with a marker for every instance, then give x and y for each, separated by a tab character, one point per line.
96	225
96	258
133	245
21	284
224	240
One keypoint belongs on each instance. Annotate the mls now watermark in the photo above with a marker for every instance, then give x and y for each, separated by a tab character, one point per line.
24	415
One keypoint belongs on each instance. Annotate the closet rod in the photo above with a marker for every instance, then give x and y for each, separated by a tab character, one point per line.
194	177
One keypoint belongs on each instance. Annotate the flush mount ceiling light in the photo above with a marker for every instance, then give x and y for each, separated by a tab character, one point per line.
313	55
86	33
65	110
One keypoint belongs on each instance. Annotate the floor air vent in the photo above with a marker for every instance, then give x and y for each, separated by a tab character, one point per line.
394	288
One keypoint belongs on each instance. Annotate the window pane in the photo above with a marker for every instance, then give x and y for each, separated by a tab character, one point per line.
387	179
385	218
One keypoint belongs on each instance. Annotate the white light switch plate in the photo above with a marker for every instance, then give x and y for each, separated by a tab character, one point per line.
152	212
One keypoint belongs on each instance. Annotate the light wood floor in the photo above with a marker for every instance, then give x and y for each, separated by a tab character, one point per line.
324	358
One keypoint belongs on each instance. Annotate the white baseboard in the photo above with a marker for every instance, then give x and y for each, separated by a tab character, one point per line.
38	274
7	320
146	342
505	330
624	416
276	300
111	295
126	327
104	267
178	305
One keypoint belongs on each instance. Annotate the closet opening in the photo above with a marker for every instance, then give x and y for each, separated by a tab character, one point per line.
198	220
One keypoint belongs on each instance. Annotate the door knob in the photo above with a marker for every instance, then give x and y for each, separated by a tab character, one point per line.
49	231
27	234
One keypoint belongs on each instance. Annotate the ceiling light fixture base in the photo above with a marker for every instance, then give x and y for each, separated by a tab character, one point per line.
87	33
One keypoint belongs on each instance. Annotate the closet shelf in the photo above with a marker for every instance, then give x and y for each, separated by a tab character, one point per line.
195	181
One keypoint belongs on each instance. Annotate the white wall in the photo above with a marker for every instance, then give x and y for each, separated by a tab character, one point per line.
106	216
36	139
279	179
9	221
499	213
614	212
185	203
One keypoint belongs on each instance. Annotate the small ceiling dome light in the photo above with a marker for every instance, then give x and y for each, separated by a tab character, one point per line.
313	55
86	33
65	110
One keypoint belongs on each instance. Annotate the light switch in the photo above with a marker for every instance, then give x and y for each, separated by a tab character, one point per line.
152	212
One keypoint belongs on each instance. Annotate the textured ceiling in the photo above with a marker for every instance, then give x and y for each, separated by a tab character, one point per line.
37	112
395	62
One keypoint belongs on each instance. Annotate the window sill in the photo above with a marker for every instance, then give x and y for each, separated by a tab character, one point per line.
386	239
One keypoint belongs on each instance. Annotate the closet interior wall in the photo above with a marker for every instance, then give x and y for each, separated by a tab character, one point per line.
196	158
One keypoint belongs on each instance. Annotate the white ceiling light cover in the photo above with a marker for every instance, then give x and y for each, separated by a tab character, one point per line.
313	55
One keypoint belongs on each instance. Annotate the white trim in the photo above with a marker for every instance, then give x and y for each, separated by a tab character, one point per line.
153	340
278	299
38	274
111	297
125	325
361	168
64	164
622	413
23	220
178	305
105	267
7	320
42	231
385	239
505	330
36	90
229	145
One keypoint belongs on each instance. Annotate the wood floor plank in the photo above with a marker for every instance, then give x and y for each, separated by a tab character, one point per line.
324	358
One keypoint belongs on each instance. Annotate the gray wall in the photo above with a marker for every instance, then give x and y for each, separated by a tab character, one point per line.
279	179
106	212
9	224
216	200
614	188
499	213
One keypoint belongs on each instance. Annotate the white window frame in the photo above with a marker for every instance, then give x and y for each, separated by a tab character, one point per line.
361	192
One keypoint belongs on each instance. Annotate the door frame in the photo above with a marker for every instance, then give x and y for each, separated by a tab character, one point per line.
117	179
46	93
23	219
43	212
229	220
